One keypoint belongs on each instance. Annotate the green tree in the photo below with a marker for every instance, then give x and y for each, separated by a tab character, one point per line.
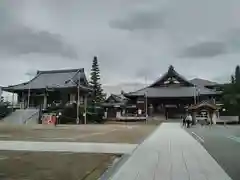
237	75
231	94
4	110
98	96
232	79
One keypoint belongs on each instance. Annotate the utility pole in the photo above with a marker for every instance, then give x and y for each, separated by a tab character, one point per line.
194	95
29	88
12	101
78	74
78	103
85	109
146	100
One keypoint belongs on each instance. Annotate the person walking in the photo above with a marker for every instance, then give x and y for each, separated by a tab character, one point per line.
183	121
189	120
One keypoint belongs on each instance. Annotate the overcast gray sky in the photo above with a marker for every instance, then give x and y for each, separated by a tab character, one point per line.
132	38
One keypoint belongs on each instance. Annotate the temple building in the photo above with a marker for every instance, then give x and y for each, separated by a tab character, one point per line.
114	106
170	95
51	86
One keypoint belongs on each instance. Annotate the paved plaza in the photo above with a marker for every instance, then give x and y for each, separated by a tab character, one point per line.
170	153
223	143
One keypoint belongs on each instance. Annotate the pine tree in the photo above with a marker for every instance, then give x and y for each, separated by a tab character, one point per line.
95	84
231	94
237	74
232	79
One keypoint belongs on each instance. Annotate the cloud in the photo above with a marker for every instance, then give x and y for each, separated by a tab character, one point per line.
20	40
228	42
17	38
140	21
147	73
205	49
132	39
232	39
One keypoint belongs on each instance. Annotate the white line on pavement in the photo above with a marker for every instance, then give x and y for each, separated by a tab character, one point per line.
234	138
198	137
118	148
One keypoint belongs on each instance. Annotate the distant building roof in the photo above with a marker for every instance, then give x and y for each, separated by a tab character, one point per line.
53	79
171	84
115	100
119	97
203	82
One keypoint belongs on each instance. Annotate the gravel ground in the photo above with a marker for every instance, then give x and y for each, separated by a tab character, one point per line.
16	165
109	133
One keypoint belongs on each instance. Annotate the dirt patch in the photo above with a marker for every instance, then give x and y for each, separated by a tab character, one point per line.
17	165
107	133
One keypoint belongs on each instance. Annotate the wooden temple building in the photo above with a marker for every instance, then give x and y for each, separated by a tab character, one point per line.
115	105
205	107
51	86
170	95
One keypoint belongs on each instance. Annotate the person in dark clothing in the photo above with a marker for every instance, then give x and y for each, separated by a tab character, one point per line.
183	121
55	122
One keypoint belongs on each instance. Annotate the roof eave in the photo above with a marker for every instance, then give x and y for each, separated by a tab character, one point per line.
12	90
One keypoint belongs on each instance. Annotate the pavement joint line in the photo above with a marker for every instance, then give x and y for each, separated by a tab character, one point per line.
198	137
234	138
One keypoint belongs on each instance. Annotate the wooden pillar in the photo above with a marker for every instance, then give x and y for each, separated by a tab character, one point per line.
21	100
214	117
194	113
211	116
45	101
25	101
72	97
150	110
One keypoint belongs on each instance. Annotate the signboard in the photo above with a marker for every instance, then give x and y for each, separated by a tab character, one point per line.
48	119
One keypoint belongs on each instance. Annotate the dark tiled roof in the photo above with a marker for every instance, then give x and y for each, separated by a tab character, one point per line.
170	92
183	89
53	79
203	104
117	98
203	82
171	73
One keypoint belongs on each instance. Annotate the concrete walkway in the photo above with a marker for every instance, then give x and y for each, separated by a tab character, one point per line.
170	153
113	148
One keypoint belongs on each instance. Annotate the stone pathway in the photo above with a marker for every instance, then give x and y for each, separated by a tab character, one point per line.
115	148
170	153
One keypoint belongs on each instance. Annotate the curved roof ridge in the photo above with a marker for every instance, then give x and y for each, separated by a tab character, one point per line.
171	69
27	82
60	71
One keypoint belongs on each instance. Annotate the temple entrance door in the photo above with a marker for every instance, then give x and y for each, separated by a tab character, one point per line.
171	112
